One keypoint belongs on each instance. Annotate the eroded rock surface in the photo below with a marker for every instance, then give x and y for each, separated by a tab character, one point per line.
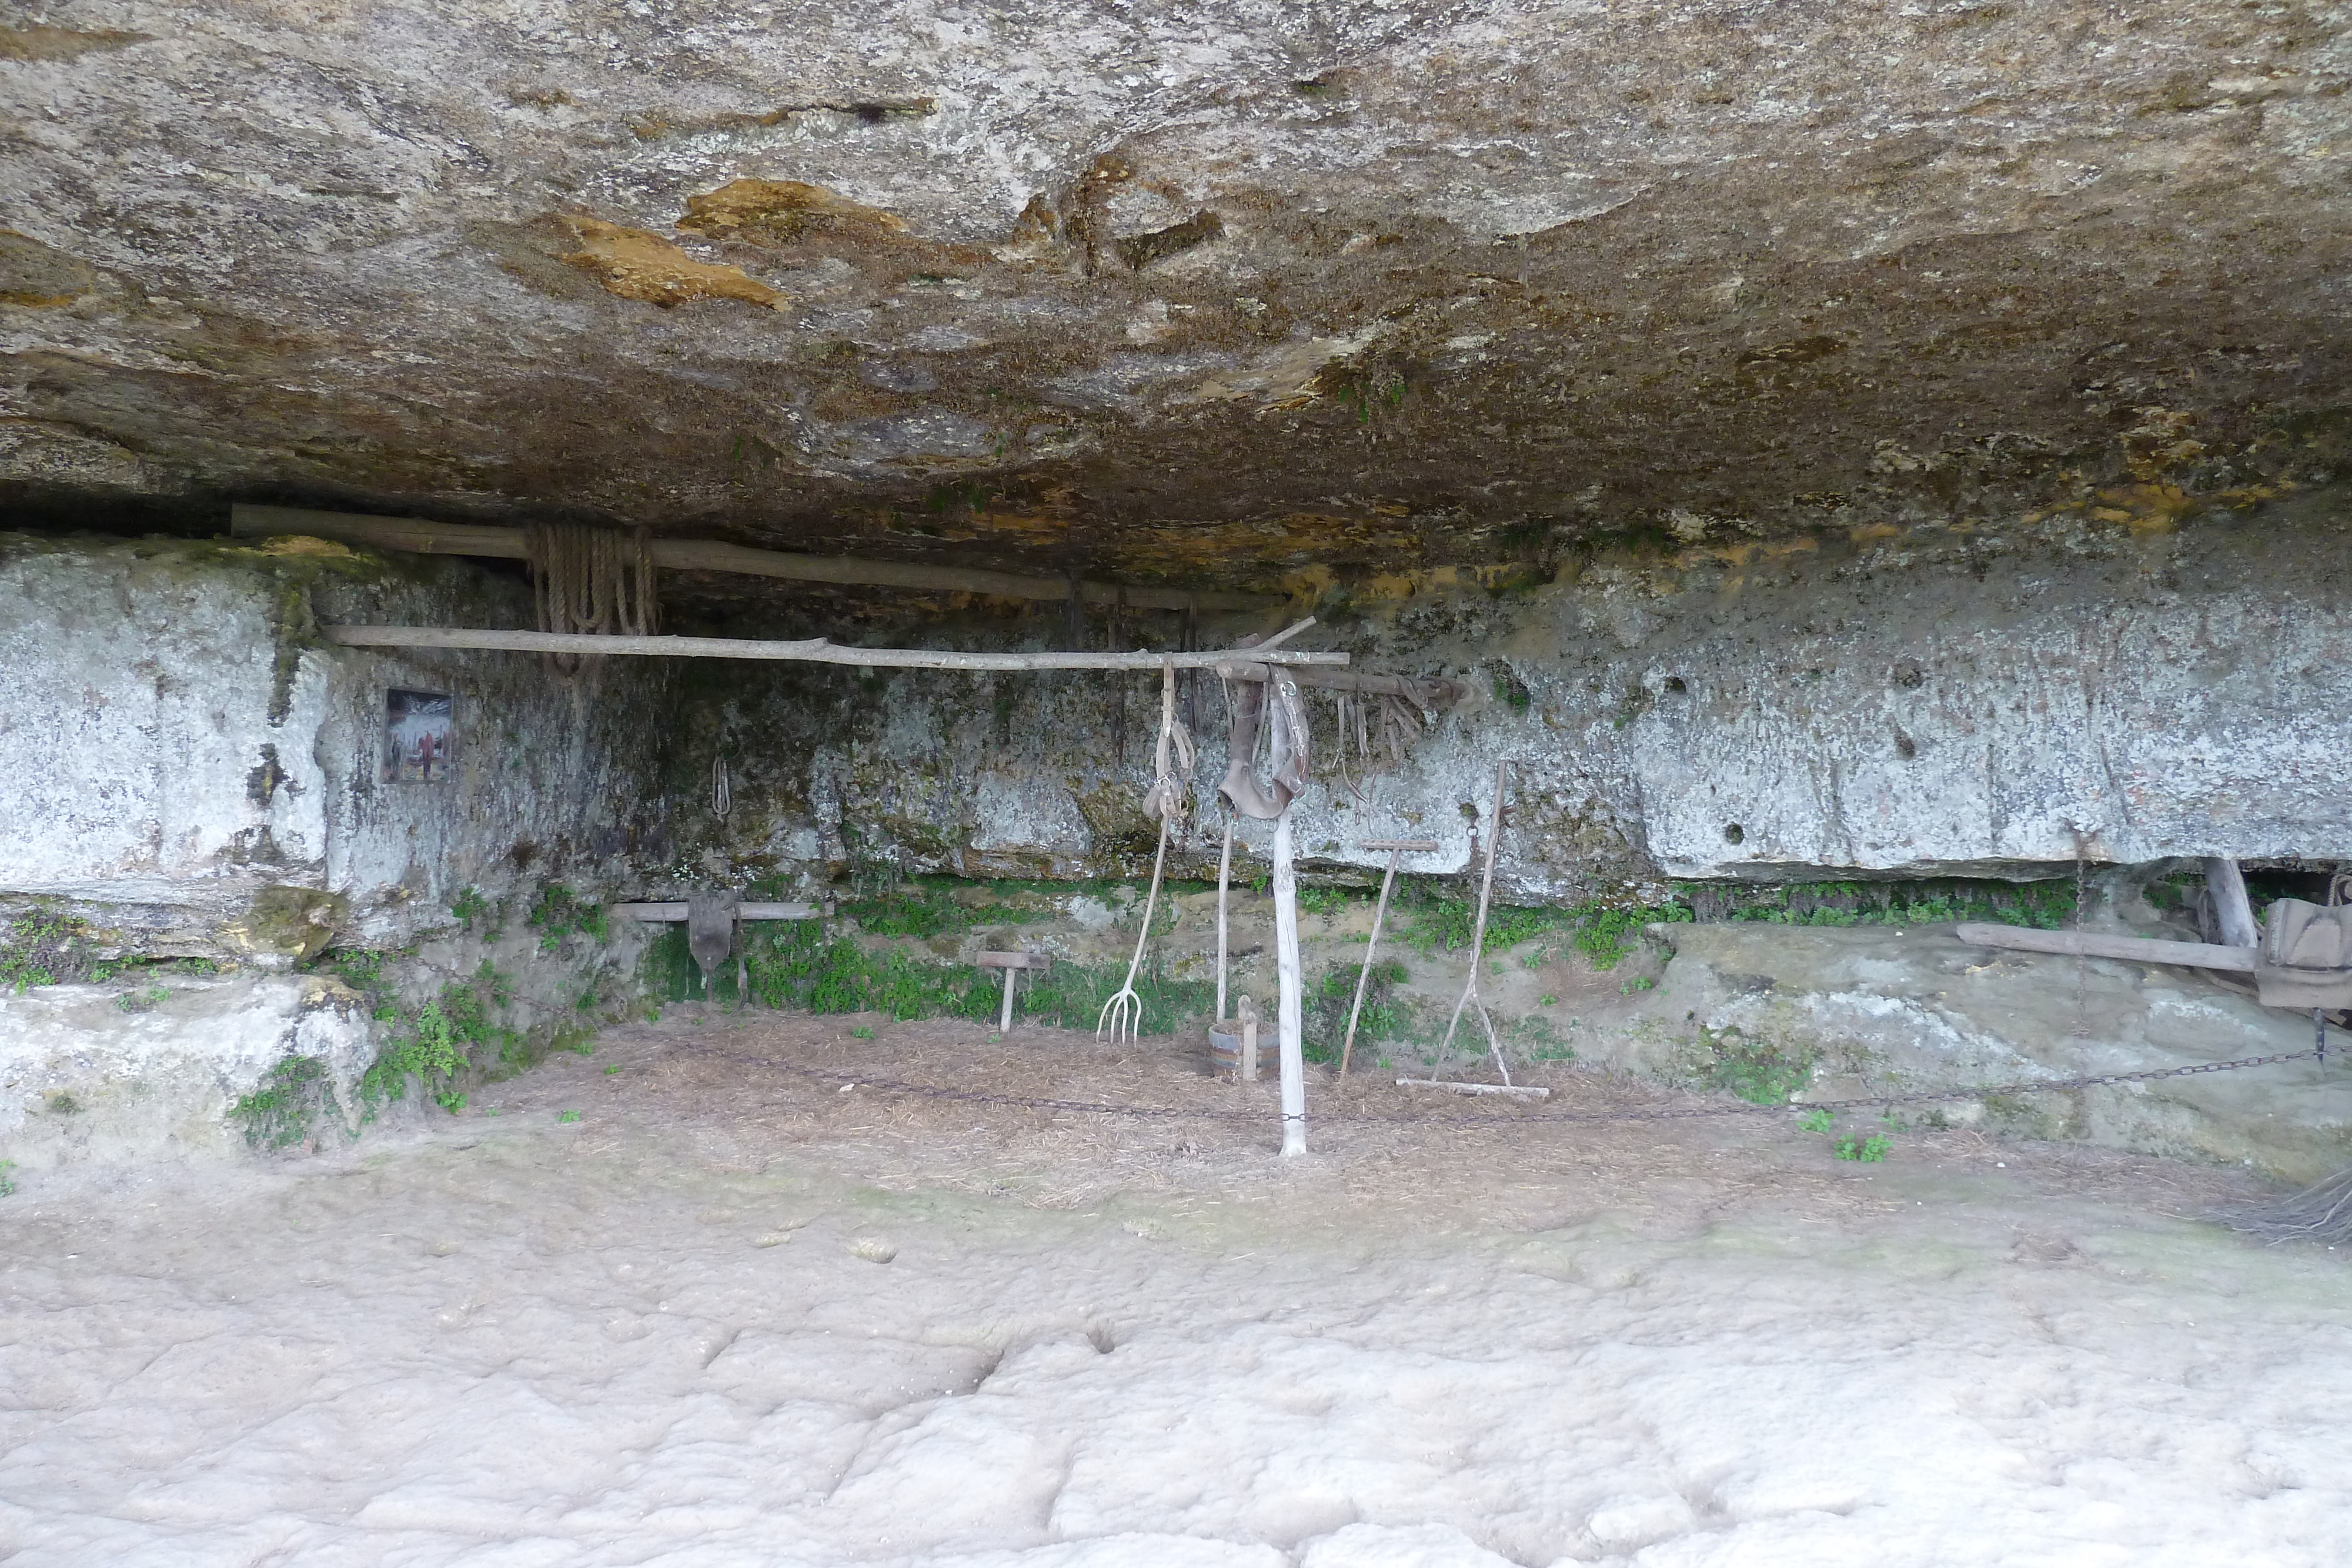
1202	291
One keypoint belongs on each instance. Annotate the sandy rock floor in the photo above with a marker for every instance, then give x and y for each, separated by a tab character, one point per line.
734	1316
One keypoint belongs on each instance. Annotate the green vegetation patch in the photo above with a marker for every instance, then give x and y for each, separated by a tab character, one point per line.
1757	1071
287	1105
2047	906
1431	922
1431	918
560	912
459	1039
927	906
468	907
794	964
1384	1017
457	1035
45	947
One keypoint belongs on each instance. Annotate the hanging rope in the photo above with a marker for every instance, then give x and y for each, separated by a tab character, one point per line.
594	581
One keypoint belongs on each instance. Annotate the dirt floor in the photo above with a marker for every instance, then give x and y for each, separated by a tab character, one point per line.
709	1296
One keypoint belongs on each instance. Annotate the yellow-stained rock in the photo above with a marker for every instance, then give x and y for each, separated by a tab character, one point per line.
636	265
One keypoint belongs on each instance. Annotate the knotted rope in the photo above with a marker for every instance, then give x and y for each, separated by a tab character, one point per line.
591	579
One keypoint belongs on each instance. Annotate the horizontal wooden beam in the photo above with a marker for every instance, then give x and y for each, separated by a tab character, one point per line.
2097	945
422	537
1015	961
815	650
742	911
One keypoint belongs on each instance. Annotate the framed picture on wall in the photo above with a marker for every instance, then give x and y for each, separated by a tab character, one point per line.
420	738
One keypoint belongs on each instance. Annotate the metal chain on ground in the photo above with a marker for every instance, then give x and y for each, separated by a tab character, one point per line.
1742	1108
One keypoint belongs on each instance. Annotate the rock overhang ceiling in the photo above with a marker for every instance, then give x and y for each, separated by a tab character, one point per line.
1217	290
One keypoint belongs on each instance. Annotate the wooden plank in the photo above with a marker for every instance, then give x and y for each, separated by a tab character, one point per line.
2233	911
1404	846
1015	961
815	650
2094	945
1516	1090
744	911
419	536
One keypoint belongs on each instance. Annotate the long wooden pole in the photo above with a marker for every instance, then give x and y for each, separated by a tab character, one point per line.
815	650
420	536
1396	847
2092	944
1290	1014
1364	976
1224	879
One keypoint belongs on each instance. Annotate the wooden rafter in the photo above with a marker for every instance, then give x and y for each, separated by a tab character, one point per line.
419	536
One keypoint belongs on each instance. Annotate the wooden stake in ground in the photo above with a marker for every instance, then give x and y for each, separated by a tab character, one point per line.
1470	991
1371	944
1011	964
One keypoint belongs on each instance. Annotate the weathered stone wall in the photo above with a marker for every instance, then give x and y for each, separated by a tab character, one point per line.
187	770
1939	702
176	741
87	1081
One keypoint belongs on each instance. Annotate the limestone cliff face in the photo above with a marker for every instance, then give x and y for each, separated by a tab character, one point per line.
187	766
1208	291
1938	702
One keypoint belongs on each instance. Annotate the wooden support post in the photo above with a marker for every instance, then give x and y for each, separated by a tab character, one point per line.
1395	847
1224	879
1289	1016
1005	1016
2234	912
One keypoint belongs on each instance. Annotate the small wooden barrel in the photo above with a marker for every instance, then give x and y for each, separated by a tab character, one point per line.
1225	1049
